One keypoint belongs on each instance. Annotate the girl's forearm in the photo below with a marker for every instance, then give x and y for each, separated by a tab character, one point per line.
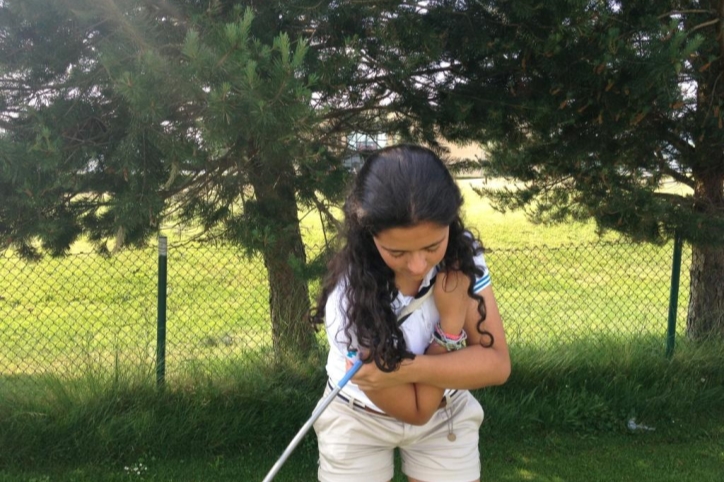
410	403
475	366
471	368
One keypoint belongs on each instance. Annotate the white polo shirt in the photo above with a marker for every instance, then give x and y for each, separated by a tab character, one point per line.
417	328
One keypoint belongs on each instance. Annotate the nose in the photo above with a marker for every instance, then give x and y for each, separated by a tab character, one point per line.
417	264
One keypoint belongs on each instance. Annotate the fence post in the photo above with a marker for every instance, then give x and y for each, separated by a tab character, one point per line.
674	295
161	327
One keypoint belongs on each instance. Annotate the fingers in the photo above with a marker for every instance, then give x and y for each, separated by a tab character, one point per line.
369	377
362	377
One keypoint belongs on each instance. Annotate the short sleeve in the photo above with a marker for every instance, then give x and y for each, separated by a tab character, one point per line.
483	281
336	319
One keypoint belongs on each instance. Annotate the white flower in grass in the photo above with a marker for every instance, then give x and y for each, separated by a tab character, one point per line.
136	469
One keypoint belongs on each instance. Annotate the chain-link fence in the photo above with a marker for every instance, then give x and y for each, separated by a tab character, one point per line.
587	293
90	316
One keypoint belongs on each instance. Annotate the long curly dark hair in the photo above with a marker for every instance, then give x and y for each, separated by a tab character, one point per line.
398	186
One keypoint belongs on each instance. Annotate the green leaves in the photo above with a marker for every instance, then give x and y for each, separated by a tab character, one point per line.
588	103
191	47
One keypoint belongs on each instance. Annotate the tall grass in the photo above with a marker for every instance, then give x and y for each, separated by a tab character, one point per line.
93	420
570	392
84	314
593	389
77	380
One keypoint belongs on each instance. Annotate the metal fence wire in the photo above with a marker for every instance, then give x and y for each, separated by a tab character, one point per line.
90	316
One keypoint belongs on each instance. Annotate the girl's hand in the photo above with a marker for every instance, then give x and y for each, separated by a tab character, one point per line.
371	378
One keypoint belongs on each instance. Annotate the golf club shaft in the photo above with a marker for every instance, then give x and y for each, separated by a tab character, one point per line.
315	415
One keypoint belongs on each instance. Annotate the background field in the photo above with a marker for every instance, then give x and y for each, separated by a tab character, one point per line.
84	313
586	320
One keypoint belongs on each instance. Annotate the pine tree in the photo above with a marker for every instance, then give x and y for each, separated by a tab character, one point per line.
593	106
229	114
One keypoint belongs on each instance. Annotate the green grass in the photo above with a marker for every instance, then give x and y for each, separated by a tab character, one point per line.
569	293
496	230
549	458
70	315
84	312
586	325
514	230
559	418
591	388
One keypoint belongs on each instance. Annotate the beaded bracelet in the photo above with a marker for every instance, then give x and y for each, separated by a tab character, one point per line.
449	342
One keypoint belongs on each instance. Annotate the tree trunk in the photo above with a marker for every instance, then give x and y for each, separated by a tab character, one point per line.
288	294
706	303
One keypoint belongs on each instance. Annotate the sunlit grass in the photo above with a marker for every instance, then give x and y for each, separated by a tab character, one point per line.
586	324
569	405
65	315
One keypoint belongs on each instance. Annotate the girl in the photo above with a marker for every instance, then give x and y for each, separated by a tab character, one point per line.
404	239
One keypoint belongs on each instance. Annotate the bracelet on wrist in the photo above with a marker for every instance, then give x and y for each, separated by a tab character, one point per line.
449	342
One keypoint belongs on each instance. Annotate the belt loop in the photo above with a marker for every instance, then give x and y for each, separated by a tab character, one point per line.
350	402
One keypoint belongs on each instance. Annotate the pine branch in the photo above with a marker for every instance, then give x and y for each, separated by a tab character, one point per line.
704	25
683	12
673	173
323	209
679	144
687	202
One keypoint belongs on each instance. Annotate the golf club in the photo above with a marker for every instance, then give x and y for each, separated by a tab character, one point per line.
315	415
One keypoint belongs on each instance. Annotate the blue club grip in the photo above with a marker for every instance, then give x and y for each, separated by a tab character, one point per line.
350	373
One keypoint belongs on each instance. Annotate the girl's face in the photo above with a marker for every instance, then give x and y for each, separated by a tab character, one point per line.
412	251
